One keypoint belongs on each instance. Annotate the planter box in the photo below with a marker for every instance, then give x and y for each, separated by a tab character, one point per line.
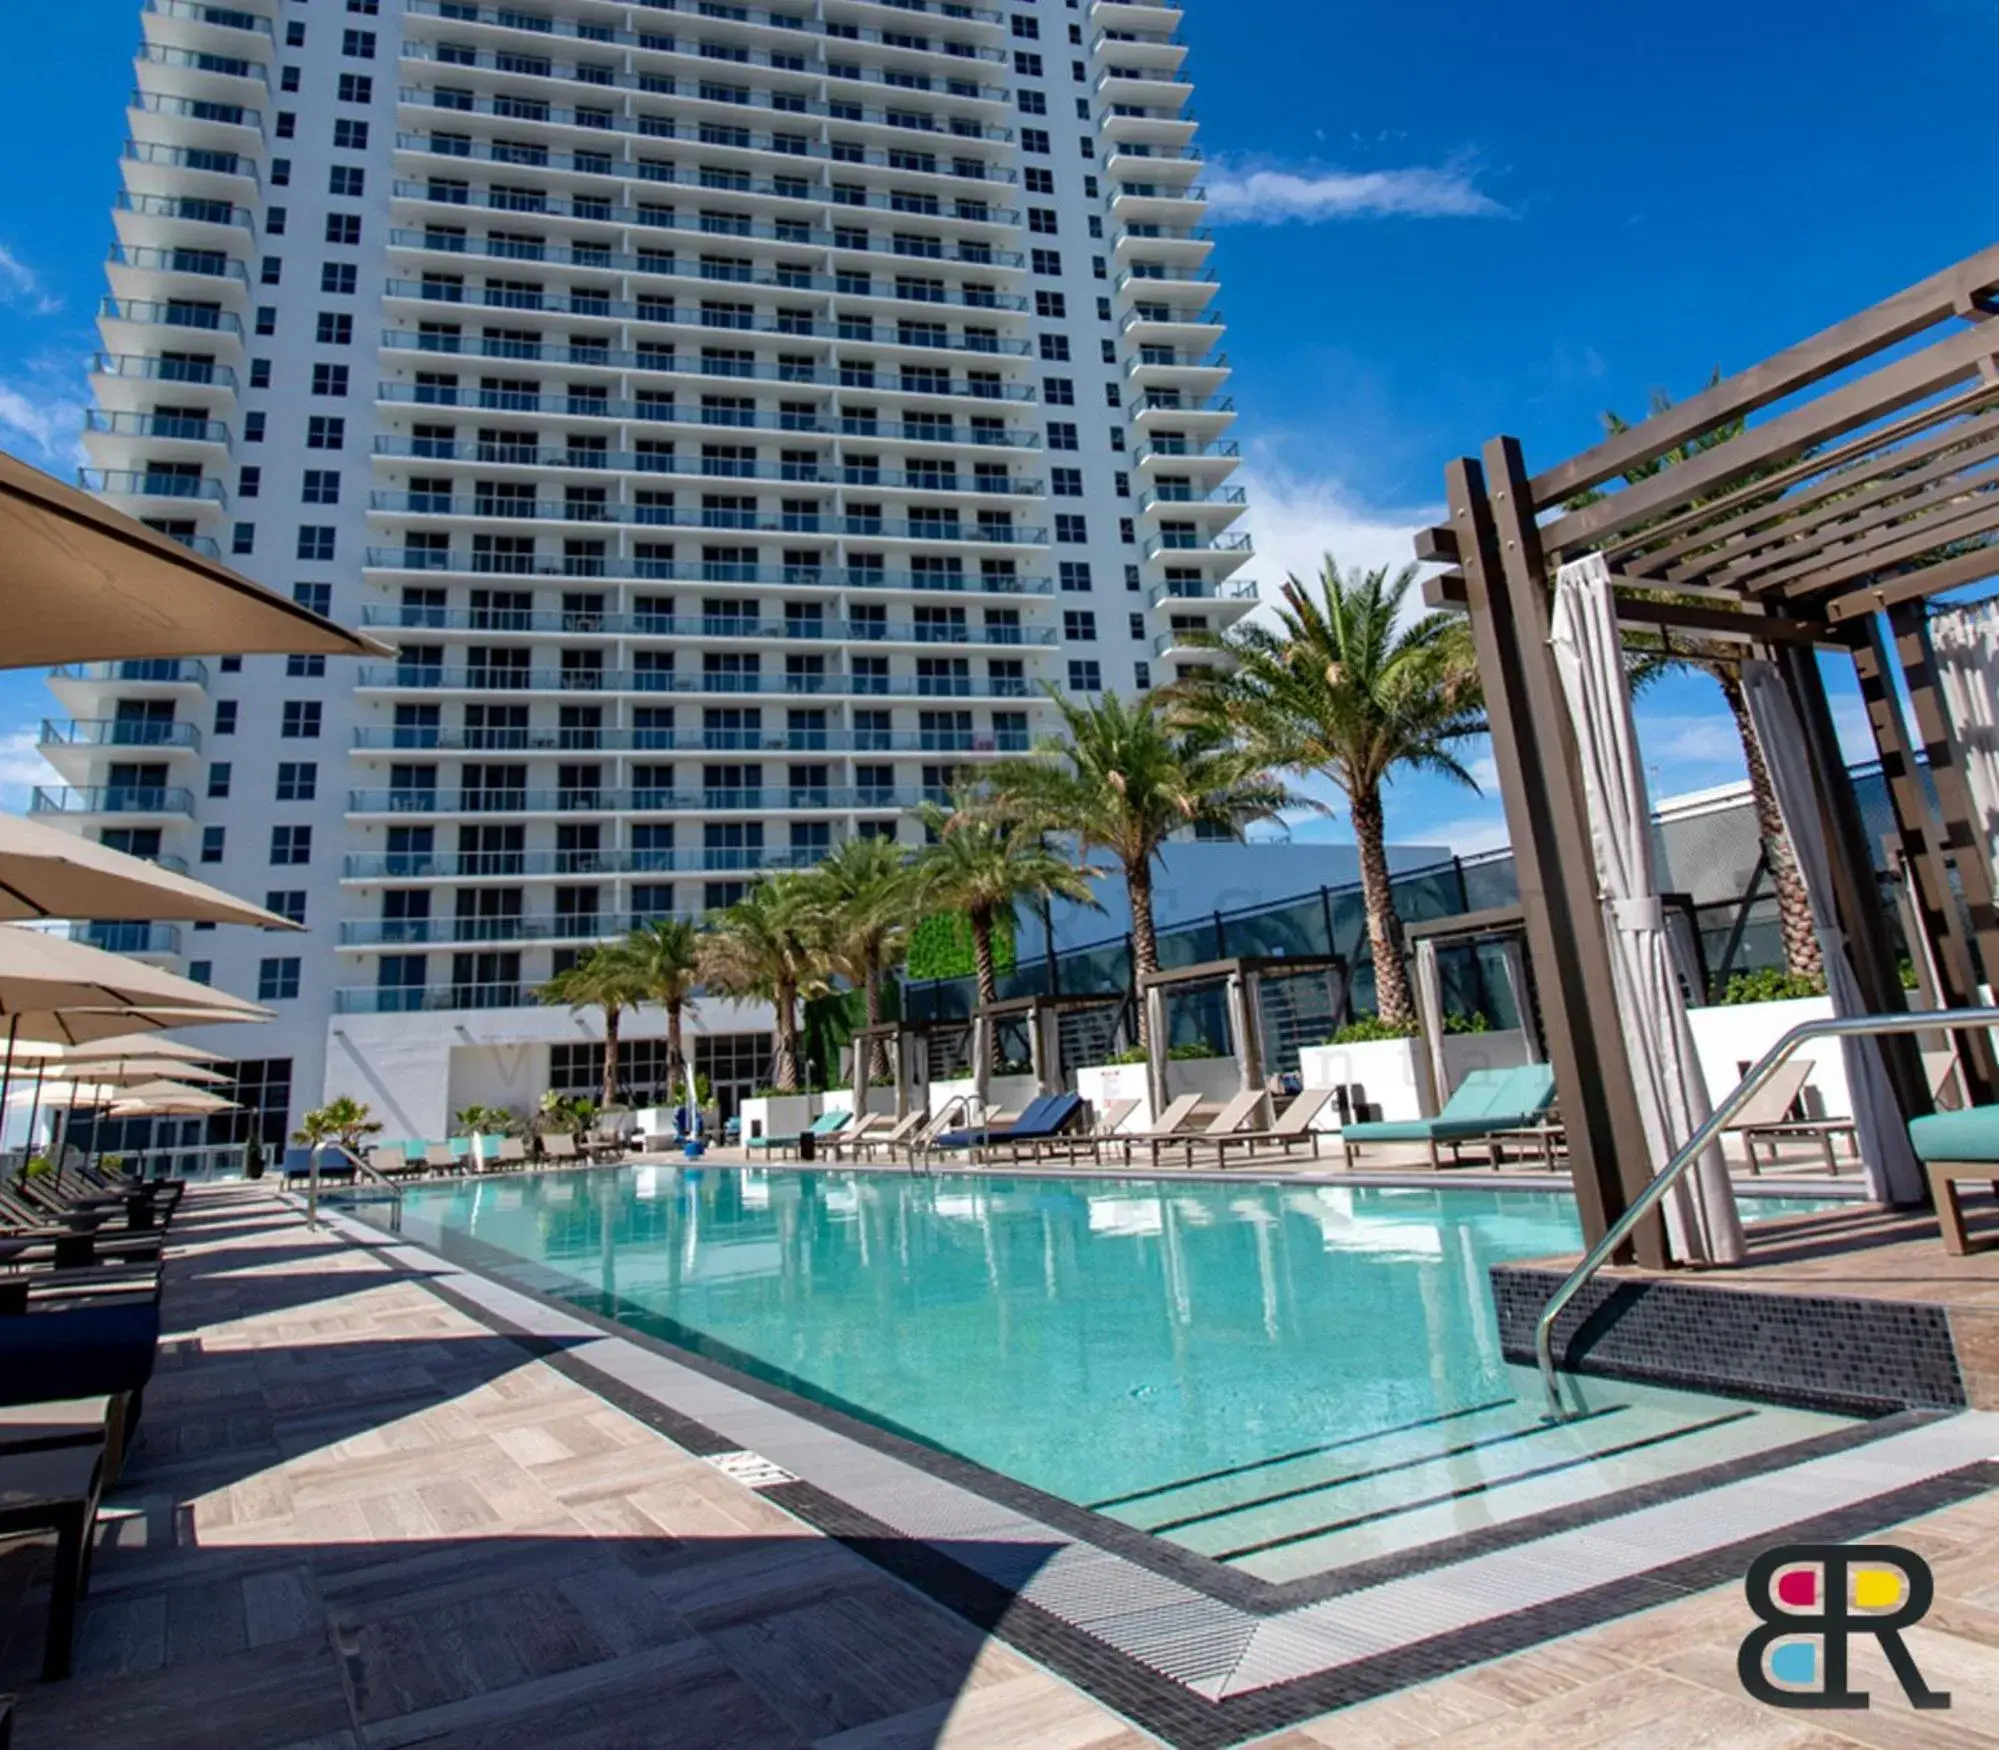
1729	1036
1393	1075
1104	1082
778	1115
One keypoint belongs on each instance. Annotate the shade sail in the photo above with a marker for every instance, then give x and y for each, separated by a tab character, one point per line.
80	582
48	873
43	975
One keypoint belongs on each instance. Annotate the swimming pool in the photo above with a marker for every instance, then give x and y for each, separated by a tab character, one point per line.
1140	1346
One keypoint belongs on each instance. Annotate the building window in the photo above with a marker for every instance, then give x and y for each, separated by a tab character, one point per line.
1127	531
322	486
274	221
300	721
1034	140
335	328
338	278
350	136
288	78
1085	677
329	380
218	777
292	845
1071	528
1079	626
213	839
1112	396
1055	348
1137	623
305	668
1061	435
358	43
347	179
270	272
253	427
355	88
298	781
1043	221
315	598
1038	181
1141	676
225	716
1058	391
1065	482
1046	260
281	172
1075	575
201	971
1051	306
343	229
277	979
1026	65
287	902
287	124
295	35
315	541
266	322
1131	577
243	538
326	431
232	665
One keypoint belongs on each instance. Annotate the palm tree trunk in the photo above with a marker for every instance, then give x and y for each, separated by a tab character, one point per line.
1392	1000
871	995
784	1063
982	955
1144	938
610	1089
1794	909
676	1055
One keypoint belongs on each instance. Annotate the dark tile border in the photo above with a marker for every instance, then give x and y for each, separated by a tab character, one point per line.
1852	1354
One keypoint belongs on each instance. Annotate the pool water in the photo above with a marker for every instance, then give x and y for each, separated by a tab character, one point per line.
1239	1366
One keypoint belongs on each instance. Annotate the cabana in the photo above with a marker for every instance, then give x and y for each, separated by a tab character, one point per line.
1041	1017
1242	978
1861	482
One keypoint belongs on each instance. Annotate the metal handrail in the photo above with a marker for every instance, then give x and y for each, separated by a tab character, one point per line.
1838	1027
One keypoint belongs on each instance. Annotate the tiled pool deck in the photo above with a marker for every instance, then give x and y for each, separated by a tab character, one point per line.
379	1502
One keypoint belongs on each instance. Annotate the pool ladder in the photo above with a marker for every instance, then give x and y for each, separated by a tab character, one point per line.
1834	1027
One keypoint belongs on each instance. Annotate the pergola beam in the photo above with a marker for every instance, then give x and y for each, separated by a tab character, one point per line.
1749	627
1928	580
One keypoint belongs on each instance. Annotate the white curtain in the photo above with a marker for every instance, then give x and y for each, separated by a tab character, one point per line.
1430	1011
1887	1160
1665	1067
1966	643
1523	998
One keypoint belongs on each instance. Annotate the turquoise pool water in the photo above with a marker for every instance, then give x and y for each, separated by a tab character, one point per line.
1094	1338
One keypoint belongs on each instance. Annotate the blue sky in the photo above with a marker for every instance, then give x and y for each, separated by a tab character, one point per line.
1438	221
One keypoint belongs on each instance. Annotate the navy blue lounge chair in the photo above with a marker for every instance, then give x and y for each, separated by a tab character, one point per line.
1045	1117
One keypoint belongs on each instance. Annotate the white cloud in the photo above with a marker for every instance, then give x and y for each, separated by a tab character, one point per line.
1297	519
21	285
1251	194
42	421
21	768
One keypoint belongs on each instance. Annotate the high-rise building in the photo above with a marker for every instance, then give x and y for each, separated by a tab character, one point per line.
733	416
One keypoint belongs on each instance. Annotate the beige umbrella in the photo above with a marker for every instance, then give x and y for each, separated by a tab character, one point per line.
82	582
126	1072
47	873
43	978
116	1046
38	1033
168	1099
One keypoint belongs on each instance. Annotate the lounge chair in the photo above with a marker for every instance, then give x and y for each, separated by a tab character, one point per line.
441	1157
509	1154
901	1132
1293	1126
854	1134
1765	1117
822	1127
1956	1148
994	1129
1485	1104
1101	1135
391	1161
1239	1117
1171	1125
56	1490
559	1145
1054	1125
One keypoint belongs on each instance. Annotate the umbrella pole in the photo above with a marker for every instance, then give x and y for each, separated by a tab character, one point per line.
34	1112
6	1073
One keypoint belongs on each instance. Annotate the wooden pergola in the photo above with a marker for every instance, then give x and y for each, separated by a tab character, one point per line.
1864	479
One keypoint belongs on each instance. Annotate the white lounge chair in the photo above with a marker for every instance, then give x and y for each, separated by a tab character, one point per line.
1293	1126
1242	1114
1169	1126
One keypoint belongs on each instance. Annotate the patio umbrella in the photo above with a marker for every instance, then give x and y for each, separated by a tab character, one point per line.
164	1099
48	873
46	976
102	1048
125	1072
81	582
1665	1065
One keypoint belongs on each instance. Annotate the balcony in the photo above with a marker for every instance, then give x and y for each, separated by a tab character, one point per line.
197	121
118	732
122	799
139	271
410	1000
194	12
1199	543
1205	589
135	379
473	932
570	515
607	800
143	325
570	624
153	941
171	434
1182	498
644	683
1165	160
460	562
778	739
167	221
515	866
154	167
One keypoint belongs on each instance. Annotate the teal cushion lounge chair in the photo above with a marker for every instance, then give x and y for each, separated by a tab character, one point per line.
1957	1146
824	1125
1485	1102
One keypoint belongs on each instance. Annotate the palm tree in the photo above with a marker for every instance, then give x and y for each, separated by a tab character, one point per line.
982	864
1339	687
606	978
771	944
666	953
344	1120
867	894
1121	779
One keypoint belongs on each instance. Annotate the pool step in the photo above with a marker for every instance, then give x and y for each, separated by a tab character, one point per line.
1373	1495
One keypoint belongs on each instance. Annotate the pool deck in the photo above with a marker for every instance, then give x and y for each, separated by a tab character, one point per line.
357	1514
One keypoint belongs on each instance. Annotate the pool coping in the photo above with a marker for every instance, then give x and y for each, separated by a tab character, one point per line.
1196	1652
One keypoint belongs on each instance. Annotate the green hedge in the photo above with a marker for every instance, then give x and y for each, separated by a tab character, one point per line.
941	947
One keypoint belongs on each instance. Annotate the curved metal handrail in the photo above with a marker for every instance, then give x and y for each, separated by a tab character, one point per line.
361	1170
1836	1026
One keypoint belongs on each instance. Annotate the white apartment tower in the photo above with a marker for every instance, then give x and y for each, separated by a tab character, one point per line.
733	417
